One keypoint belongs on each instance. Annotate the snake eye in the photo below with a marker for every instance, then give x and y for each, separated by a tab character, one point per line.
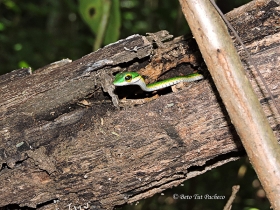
128	77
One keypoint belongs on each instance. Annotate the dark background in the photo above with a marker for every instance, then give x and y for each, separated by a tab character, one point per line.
36	33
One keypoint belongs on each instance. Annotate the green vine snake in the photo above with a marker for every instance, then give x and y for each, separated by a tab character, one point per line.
133	78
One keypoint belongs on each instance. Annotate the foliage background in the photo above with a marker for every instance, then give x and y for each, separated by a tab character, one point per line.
36	33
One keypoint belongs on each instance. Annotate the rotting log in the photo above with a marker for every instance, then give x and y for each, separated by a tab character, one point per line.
62	140
239	98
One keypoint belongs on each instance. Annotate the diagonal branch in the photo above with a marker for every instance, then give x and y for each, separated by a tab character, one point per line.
62	142
237	93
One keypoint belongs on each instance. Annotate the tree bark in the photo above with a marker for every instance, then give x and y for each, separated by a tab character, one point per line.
63	142
237	93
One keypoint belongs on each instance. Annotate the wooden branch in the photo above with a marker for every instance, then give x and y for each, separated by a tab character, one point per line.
237	93
62	145
235	190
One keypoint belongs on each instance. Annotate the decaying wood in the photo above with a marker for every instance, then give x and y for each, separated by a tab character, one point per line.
237	93
63	142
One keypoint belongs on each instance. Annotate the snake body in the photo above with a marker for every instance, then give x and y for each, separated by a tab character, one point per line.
133	78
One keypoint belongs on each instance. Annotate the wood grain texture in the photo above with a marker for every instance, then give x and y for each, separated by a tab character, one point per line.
53	149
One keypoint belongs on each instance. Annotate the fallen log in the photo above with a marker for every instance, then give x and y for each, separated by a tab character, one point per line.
64	141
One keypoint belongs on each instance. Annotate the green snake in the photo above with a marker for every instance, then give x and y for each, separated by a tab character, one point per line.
133	78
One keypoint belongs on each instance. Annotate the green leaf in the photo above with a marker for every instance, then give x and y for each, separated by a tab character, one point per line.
103	18
114	23
91	12
23	64
2	26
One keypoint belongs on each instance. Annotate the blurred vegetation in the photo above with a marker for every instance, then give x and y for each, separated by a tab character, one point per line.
219	182
36	33
103	18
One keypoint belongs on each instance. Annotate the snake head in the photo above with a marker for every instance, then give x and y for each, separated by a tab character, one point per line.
126	78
